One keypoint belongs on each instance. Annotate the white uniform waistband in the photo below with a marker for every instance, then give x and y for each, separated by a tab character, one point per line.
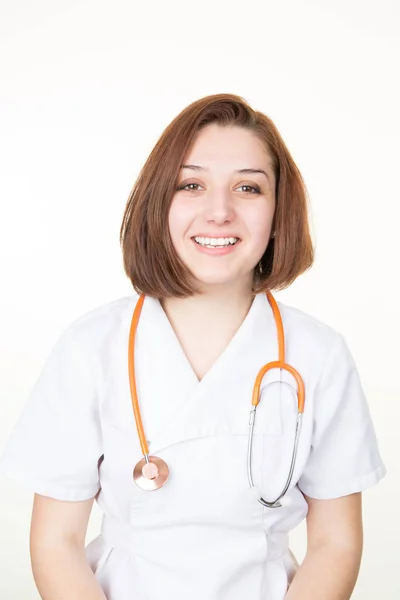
121	534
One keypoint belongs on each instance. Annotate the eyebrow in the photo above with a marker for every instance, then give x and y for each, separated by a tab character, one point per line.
244	171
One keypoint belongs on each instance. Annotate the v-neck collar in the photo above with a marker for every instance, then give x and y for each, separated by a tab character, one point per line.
174	404
171	341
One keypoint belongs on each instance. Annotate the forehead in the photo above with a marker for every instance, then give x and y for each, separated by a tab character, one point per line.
233	146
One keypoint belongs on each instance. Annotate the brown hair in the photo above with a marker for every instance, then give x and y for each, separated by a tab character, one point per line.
150	260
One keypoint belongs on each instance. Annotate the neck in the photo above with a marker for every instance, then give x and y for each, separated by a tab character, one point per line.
226	304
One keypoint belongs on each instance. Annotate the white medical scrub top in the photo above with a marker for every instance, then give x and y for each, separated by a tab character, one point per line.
204	535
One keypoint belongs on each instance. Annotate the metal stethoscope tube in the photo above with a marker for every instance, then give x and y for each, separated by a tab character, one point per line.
273	503
278	364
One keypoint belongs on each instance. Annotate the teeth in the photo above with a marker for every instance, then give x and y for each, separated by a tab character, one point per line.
215	241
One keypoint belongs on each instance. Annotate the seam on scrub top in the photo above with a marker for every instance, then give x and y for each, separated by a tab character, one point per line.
326	361
96	312
47	487
80	358
111	361
84	361
363	481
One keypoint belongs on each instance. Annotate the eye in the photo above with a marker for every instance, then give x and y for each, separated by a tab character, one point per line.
185	187
255	188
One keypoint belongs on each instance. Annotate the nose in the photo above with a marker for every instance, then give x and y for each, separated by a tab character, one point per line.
218	206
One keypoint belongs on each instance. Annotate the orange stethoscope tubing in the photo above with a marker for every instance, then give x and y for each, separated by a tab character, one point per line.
279	364
132	377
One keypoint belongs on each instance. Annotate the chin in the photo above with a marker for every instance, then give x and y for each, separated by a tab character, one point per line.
213	279
216	278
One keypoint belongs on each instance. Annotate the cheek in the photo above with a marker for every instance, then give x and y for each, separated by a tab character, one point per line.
179	219
259	225
174	219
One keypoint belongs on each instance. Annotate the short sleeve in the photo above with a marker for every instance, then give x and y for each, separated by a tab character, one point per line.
56	443
344	457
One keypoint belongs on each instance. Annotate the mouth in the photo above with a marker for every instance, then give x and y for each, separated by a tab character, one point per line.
215	243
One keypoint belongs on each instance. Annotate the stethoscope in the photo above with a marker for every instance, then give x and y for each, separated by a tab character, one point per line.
151	472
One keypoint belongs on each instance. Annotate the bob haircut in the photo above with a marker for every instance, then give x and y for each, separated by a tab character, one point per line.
149	258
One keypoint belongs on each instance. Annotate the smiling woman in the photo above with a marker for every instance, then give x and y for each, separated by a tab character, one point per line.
143	403
219	155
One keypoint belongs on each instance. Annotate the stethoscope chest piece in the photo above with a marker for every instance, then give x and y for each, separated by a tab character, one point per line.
150	474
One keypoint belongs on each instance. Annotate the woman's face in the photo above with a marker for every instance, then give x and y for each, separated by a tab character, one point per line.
219	201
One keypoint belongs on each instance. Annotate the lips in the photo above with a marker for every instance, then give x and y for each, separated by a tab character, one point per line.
216	245
216	250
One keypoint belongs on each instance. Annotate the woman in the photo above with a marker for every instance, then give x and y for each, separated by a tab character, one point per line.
217	218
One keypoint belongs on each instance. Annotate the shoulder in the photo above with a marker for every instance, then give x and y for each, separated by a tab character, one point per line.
107	314
307	323
309	334
321	353
97	329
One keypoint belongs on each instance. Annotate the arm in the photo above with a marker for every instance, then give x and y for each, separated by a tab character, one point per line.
334	548
57	549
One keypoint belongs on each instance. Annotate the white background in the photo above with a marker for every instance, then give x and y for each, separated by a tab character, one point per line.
87	87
